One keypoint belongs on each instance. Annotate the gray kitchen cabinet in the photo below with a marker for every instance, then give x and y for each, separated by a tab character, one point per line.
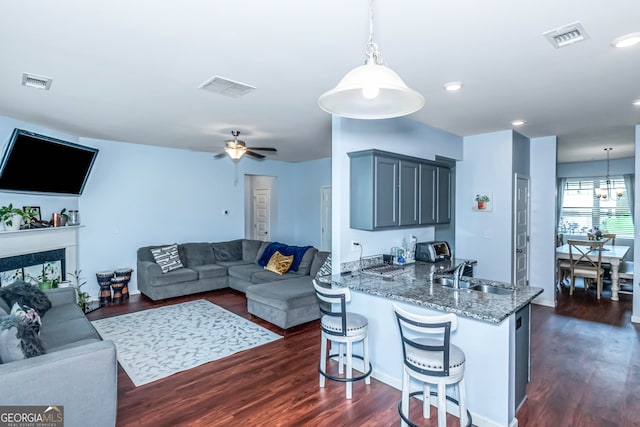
408	185
390	190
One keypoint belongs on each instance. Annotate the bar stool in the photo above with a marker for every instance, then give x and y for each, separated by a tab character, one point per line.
345	329
431	361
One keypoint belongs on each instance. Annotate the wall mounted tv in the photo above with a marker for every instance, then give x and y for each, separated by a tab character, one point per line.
35	163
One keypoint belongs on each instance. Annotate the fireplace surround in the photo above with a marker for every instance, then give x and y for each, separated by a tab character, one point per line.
25	242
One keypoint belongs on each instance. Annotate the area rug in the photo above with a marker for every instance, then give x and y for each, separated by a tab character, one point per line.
155	343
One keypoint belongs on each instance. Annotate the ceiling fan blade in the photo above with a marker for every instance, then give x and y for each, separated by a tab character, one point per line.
255	155
217	156
262	148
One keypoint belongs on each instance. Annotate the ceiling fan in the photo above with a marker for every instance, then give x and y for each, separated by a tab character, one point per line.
236	148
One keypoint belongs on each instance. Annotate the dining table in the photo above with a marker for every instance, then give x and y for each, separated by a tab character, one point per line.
612	254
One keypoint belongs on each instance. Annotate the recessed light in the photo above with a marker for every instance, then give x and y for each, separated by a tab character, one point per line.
636	102
518	122
452	86
627	40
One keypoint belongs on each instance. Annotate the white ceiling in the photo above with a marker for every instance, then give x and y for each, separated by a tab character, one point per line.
130	70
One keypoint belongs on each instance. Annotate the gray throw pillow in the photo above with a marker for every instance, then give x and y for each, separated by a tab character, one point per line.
318	261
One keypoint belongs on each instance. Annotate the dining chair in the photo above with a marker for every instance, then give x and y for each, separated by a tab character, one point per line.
609	238
563	265
585	259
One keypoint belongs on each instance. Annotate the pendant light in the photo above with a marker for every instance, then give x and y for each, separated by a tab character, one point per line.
372	90
605	193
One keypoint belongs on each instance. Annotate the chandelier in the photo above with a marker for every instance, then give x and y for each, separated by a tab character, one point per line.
605	193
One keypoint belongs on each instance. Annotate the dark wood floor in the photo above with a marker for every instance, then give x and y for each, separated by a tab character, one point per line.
585	372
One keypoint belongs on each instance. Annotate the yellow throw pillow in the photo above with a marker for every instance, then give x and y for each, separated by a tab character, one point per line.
279	263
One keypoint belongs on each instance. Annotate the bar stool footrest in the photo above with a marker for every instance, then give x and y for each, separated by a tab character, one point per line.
345	380
433	393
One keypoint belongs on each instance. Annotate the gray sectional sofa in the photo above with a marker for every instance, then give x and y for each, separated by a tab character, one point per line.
285	300
78	371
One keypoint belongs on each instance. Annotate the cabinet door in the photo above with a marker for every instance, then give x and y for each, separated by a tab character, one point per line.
385	192
428	191
444	196
408	193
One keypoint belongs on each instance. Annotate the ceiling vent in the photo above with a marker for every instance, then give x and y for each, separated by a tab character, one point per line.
38	82
226	87
566	35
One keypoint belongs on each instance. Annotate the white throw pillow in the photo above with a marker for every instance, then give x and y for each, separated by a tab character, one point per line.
167	258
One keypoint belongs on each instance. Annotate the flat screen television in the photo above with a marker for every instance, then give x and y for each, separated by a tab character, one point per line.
35	163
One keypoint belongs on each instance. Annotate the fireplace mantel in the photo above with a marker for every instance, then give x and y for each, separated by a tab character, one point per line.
23	242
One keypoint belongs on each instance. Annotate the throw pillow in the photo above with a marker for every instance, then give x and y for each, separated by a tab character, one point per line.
279	263
167	258
18	340
26	294
28	315
325	270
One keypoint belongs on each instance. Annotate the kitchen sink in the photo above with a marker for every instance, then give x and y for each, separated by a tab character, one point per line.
445	281
487	289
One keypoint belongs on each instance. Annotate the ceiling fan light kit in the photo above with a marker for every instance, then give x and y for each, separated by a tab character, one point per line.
372	90
236	148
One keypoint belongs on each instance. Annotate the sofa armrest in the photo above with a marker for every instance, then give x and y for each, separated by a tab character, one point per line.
147	270
83	379
61	296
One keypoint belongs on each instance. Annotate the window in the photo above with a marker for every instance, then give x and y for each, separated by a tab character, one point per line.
582	209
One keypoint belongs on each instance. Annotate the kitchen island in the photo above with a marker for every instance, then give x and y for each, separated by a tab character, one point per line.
493	331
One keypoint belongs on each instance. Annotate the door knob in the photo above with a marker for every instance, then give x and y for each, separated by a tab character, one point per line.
519	251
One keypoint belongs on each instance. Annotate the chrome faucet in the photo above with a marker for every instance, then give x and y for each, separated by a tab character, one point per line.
457	273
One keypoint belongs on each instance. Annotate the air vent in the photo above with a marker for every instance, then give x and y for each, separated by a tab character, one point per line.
566	35
226	87
38	82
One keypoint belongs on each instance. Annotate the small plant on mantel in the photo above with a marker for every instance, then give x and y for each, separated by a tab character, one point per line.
9	215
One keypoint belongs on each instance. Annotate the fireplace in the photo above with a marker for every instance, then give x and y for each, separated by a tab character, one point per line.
34	268
29	251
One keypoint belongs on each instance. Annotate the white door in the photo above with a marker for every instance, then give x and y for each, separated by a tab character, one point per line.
261	214
325	219
521	232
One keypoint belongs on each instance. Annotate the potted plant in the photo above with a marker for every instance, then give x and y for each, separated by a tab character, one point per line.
482	201
48	278
59	219
12	218
82	297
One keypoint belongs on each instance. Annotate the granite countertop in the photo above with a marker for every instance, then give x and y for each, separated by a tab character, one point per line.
413	286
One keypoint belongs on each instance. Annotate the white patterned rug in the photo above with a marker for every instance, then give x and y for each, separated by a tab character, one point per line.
159	342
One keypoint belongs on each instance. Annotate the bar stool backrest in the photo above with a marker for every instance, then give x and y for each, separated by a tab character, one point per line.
413	327
333	297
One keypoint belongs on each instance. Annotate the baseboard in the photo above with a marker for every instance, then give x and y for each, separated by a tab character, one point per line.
635	319
545	302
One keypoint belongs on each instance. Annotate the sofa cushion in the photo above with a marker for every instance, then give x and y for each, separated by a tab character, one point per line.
176	276
279	263
228	251
25	294
266	276
250	249
263	246
167	258
196	254
245	271
62	333
210	271
318	260
285	294
307	259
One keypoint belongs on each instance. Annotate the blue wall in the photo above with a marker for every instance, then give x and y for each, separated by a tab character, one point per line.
141	195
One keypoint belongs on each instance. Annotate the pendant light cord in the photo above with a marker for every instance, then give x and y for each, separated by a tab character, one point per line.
371	49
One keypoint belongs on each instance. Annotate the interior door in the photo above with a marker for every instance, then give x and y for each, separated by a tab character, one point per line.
521	232
261	214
